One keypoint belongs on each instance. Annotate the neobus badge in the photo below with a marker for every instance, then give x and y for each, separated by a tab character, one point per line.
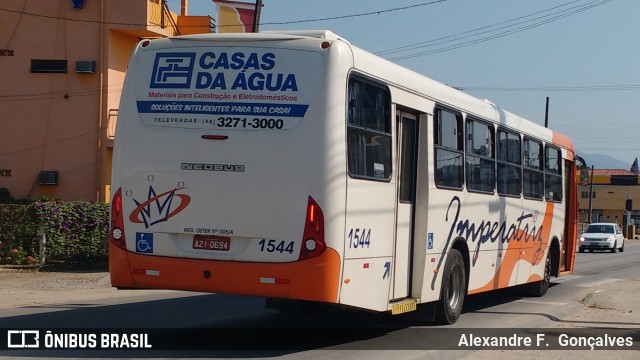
212	167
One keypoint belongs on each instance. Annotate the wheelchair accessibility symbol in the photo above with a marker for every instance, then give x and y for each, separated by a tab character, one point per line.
144	243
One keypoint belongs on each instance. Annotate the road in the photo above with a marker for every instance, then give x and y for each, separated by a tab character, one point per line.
341	333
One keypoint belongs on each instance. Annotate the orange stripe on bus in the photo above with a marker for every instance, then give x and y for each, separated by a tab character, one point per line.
534	255
564	141
315	279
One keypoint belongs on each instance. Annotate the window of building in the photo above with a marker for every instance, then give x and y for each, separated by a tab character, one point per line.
480	157
585	195
48	66
533	176
448	149
369	130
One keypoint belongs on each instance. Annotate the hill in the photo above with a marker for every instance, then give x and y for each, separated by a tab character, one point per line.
601	161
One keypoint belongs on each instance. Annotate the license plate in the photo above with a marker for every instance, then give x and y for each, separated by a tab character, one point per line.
208	242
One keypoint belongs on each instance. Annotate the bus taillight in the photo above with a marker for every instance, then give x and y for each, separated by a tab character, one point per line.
313	240
117	222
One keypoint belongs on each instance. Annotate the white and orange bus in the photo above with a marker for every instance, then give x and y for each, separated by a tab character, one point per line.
294	165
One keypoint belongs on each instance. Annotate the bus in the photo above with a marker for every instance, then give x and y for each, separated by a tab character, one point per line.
298	167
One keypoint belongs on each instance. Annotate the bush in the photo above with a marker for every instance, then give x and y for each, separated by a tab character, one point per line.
18	235
76	232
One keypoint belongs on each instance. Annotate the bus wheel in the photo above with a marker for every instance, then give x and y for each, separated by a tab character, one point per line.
539	288
454	288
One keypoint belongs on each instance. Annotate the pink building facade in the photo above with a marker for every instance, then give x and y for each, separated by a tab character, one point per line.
62	66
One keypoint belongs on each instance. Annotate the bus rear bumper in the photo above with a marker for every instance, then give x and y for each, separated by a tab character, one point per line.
315	279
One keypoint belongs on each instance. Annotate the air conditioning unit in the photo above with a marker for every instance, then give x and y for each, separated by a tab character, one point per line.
86	66
48	178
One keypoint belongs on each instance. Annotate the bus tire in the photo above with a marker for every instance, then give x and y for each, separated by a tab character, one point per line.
539	288
454	289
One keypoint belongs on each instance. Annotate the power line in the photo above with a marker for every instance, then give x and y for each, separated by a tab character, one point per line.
15	28
509	30
44	145
426	43
621	87
53	94
377	12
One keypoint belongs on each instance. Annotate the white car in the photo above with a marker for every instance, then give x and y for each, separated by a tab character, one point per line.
602	236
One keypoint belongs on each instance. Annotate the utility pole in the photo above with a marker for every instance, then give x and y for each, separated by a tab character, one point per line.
256	17
590	194
546	114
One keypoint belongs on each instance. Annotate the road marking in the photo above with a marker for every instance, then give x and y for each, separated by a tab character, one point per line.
541	302
598	282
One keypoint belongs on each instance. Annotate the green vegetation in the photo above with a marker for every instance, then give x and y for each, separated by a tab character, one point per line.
74	232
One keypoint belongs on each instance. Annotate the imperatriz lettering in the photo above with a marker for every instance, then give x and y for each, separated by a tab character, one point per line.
524	228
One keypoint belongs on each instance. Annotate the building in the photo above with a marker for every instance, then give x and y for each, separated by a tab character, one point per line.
62	66
610	192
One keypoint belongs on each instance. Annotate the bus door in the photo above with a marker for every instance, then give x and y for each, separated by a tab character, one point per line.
407	126
569	235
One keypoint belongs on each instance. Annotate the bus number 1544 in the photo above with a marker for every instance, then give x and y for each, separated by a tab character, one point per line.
359	238
275	246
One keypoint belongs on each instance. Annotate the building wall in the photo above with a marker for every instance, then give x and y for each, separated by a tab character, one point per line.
609	202
48	119
59	121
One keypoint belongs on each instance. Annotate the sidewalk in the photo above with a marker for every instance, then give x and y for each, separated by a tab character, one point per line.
22	288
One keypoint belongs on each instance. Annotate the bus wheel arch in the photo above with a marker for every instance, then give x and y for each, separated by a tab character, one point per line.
455	280
551	268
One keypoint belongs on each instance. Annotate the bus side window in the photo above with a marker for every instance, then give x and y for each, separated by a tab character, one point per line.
533	172
480	157
369	130
509	161
553	174
448	149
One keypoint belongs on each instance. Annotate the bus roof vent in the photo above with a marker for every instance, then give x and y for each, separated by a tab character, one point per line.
320	34
490	103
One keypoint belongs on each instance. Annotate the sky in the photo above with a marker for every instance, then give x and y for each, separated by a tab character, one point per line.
582	54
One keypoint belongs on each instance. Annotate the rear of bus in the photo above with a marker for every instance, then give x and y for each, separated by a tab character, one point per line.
229	169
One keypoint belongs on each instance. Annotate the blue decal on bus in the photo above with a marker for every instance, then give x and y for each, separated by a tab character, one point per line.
172	70
387	270
220	108
222	71
144	243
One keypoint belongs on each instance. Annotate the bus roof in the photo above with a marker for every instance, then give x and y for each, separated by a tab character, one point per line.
405	78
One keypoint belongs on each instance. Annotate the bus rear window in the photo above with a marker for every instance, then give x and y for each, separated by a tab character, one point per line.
369	130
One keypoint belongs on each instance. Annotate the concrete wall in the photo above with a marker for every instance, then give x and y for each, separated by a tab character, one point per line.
58	121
